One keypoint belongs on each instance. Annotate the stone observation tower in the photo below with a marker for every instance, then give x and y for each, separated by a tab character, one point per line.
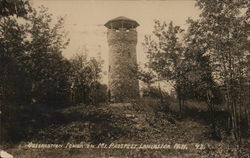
122	39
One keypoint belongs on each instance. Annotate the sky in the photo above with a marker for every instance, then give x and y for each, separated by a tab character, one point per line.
85	19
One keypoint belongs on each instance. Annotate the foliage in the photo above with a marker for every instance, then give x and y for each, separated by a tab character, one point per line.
85	75
20	8
166	56
201	83
34	72
146	76
210	61
154	92
224	26
46	66
32	61
12	49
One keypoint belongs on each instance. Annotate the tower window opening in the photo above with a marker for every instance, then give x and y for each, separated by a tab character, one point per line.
129	54
109	68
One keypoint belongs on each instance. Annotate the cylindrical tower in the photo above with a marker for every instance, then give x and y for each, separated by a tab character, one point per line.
122	40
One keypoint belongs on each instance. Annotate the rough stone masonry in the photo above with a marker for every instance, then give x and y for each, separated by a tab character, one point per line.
122	39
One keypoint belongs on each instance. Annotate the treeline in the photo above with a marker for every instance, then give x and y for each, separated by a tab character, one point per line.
208	62
32	68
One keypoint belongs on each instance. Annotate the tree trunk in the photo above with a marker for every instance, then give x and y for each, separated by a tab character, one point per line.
161	96
179	98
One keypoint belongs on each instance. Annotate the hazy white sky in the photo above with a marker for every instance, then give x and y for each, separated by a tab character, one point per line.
85	20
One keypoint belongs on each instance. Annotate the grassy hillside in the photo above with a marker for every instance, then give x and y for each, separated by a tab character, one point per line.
145	122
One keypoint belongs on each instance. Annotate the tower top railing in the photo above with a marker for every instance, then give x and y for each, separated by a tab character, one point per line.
121	22
123	30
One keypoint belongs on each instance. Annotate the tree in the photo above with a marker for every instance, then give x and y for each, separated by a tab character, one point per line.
201	84
33	67
48	70
20	8
225	28
166	56
85	75
12	49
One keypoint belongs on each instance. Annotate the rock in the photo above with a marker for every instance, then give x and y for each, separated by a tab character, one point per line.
130	116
